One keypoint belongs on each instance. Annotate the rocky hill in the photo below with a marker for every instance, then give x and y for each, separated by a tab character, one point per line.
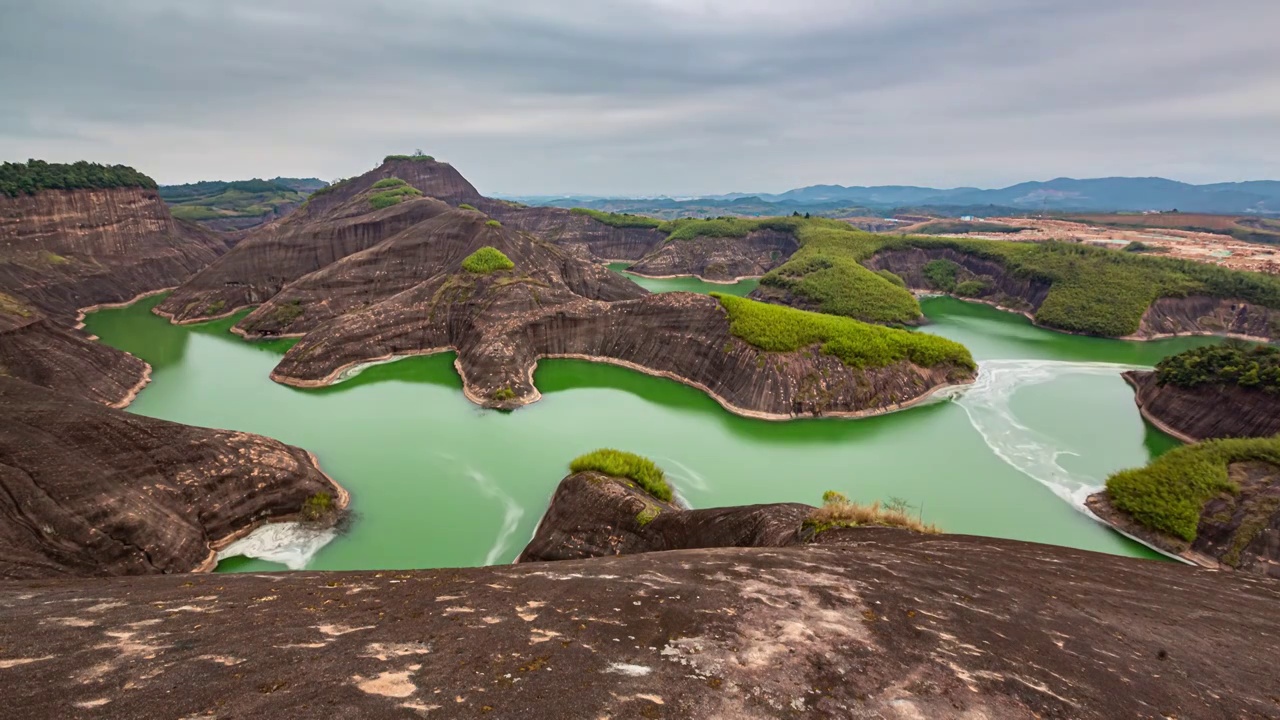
88	490
871	622
383	272
1207	411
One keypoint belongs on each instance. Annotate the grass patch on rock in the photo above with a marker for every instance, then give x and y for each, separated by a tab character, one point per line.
1169	494
838	512
617	463
393	192
487	260
775	328
620	220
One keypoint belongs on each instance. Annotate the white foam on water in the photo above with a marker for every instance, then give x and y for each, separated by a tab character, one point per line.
289	543
987	403
512	512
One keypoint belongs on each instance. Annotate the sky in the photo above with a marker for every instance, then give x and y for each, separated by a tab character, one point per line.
648	97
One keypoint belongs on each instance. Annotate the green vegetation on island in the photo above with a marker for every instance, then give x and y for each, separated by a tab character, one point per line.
1096	291
776	328
1169	494
393	192
486	260
33	176
617	463
243	199
1235	363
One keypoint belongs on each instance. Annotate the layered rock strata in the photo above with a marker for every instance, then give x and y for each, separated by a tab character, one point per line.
87	490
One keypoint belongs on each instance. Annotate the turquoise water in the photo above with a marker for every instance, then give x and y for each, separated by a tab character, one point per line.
437	481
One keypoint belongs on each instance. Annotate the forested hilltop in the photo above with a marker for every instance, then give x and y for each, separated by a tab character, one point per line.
1234	363
238	204
33	176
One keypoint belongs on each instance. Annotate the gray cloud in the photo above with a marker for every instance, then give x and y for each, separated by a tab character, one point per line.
649	96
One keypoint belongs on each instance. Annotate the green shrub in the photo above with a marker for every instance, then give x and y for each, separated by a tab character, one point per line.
1234	363
619	220
504	394
465	206
627	465
892	277
493	223
389	183
838	512
396	193
1169	494
941	274
486	260
776	328
970	288
317	506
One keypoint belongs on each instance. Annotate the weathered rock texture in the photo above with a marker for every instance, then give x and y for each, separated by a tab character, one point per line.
86	490
594	515
1240	532
722	259
1206	411
581	235
1019	294
63	250
1199	315
44	353
888	625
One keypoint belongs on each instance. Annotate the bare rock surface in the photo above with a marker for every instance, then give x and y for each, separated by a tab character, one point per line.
1200	315
1206	411
87	490
41	352
594	515
882	624
62	250
578	234
719	259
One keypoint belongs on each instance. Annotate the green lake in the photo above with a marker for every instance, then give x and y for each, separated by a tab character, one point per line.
437	481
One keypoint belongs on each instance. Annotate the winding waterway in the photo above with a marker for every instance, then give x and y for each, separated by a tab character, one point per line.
439	482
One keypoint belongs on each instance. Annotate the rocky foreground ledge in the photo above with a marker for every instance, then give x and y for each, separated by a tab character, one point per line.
87	490
884	624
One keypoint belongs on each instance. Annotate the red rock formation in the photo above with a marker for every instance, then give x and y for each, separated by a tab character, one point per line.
86	490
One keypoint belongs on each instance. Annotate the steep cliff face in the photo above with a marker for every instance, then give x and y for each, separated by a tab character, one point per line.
62	250
883	624
44	353
722	259
1236	531
578	234
306	241
92	491
595	515
1019	294
1200	315
1206	411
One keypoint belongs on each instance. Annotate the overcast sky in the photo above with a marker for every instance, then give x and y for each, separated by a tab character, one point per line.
649	96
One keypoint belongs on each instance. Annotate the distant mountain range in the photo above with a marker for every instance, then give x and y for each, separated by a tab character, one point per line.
238	205
1260	197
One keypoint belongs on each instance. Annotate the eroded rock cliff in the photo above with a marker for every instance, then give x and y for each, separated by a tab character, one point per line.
885	624
44	353
63	250
1206	411
87	490
719	259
